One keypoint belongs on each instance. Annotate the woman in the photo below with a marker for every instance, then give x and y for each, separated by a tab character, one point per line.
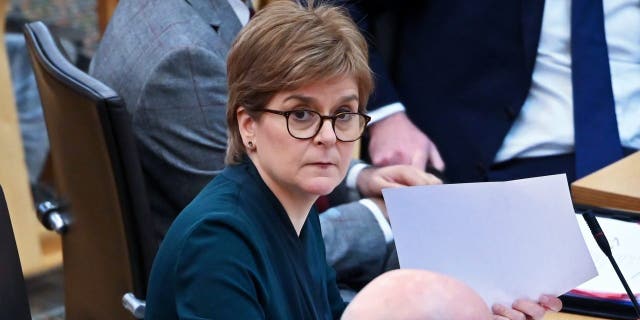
249	245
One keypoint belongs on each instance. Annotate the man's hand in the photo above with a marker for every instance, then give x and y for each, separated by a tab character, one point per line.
527	309
372	180
396	140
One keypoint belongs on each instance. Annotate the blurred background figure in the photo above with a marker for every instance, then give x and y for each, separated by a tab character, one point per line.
30	117
73	21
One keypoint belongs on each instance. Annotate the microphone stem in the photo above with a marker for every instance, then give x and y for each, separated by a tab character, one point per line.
631	295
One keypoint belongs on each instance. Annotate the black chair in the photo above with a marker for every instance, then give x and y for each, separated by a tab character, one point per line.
14	303
103	213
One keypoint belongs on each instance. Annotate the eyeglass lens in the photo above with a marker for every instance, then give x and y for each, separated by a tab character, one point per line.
304	124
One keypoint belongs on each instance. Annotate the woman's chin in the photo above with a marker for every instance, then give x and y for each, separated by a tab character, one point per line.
321	186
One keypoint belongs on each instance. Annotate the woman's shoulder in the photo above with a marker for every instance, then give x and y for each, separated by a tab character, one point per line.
217	215
211	238
200	242
220	229
227	188
219	199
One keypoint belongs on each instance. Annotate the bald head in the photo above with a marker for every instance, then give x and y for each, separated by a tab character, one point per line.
417	294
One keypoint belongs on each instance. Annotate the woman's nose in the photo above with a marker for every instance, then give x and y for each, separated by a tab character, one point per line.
326	135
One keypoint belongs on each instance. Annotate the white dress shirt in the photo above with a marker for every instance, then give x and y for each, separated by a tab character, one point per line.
241	10
544	127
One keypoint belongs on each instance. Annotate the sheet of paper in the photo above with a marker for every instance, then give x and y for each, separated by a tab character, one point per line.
623	238
507	240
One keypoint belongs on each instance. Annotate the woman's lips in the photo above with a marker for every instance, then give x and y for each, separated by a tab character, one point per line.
322	164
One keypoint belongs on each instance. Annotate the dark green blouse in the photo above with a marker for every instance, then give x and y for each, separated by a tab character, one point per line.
234	254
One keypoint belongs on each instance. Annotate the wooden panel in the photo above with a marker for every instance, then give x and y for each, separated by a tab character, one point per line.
14	177
105	11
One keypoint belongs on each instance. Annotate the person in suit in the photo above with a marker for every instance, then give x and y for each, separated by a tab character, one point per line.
249	245
167	60
490	83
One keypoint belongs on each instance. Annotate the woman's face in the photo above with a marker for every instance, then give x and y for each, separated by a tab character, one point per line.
298	167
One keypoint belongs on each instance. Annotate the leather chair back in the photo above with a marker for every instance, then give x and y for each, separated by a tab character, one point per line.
107	247
14	303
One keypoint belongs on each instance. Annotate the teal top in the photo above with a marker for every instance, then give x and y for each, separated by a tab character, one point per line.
233	254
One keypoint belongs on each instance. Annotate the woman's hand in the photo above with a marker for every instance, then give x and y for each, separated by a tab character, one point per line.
523	309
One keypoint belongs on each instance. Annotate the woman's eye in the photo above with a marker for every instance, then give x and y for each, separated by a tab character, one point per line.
302	115
344	116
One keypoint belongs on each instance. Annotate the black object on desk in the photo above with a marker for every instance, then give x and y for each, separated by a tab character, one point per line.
598	307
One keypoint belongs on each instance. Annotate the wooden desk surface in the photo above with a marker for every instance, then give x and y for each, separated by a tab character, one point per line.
568	316
616	186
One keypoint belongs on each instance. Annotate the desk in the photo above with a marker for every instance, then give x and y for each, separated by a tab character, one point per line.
615	186
568	316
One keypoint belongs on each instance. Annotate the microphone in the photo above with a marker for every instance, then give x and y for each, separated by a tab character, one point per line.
601	239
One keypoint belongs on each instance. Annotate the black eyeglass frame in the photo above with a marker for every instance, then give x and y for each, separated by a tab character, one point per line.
333	119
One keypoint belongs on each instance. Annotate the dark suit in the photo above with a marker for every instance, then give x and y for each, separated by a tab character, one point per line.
462	69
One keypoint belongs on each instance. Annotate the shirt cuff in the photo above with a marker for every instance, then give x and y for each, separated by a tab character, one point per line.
352	176
382	222
385	111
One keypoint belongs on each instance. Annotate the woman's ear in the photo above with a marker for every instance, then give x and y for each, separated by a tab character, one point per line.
247	126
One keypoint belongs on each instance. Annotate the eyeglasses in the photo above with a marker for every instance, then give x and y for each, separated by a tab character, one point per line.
305	124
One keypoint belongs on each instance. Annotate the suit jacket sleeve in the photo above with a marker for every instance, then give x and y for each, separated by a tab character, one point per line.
180	125
355	245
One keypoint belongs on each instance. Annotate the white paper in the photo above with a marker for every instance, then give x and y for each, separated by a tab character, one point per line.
507	240
624	238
